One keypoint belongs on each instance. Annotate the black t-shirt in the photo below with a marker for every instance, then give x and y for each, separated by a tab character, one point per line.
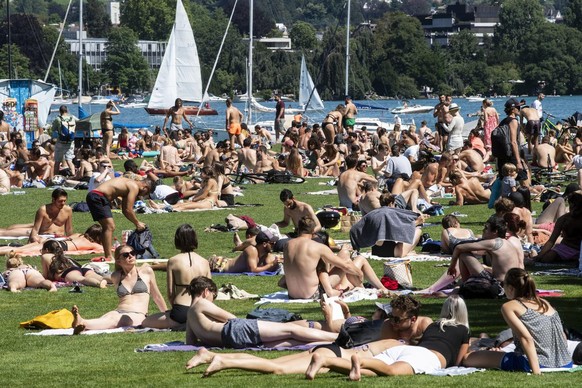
447	342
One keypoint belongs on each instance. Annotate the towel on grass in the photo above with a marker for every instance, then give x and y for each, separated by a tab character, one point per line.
455	371
412	257
127	329
179	346
559	272
262	273
323	192
351	296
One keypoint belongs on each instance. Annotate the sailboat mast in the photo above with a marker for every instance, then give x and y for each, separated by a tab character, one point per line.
79	97
9	40
348	48
60	79
250	65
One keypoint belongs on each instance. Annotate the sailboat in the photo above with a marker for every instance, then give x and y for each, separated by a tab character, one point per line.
59	99
179	75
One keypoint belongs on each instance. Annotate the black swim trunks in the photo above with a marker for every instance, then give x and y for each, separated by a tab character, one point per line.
99	206
385	250
532	127
228	198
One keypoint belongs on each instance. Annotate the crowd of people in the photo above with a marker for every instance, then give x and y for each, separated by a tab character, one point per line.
390	177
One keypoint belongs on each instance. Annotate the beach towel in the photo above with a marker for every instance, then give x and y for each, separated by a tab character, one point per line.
323	192
179	346
262	273
412	257
558	272
455	371
384	224
351	296
128	329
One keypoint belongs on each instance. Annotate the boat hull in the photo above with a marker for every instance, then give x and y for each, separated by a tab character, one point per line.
412	110
189	110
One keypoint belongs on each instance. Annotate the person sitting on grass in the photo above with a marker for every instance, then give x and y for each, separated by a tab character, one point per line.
537	331
19	275
210	325
181	269
134	286
468	191
254	258
444	343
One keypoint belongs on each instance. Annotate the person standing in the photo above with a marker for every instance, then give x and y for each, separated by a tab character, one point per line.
65	147
279	117
537	105
529	117
177	112
453	127
350	114
107	125
99	202
490	121
233	120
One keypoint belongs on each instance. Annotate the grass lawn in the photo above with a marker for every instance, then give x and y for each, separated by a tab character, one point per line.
110	360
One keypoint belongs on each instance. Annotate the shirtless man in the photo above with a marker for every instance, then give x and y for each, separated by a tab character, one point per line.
347	188
468	191
472	159
370	198
332	123
502	255
294	210
545	154
177	112
349	119
265	162
54	218
254	258
262	135
233	119
247	156
403	322
99	202
530	124
301	257
437	173
440	112
210	325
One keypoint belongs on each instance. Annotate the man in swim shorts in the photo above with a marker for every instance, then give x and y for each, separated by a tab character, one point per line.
233	127
210	325
99	202
177	113
349	119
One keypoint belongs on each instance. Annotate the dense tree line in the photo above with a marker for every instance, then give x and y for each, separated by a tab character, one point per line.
393	60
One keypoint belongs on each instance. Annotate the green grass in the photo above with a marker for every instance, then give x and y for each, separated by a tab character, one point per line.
107	360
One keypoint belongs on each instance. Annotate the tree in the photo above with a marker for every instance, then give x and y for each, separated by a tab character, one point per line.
573	14
150	19
303	36
20	63
125	67
96	19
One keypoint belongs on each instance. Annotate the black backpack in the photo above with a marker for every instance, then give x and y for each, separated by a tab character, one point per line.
501	140
359	333
141	242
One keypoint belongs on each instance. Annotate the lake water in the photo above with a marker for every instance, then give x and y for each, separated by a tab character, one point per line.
560	106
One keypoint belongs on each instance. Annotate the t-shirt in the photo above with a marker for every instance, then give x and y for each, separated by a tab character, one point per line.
278	108
398	165
577	160
537	105
162	191
447	342
506	185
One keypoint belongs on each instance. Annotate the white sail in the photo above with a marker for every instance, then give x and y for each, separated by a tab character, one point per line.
306	85
179	75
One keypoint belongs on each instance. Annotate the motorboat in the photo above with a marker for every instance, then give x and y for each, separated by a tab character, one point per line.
412	109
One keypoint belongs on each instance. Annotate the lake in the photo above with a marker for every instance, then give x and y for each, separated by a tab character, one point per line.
560	106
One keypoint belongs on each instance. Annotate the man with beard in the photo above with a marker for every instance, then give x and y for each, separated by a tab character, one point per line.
294	210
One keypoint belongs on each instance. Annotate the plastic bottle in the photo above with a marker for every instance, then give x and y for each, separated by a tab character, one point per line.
115	243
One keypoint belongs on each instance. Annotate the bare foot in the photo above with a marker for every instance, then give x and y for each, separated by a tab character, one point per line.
202	357
214	367
78	322
314	366
53	288
103	284
355	374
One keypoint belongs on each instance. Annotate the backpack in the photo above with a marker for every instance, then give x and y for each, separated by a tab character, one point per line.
358	334
273	315
67	130
501	141
141	242
80	207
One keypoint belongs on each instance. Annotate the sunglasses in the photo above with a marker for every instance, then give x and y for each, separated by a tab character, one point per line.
126	255
395	319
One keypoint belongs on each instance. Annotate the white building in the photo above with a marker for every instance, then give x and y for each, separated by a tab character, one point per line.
113	9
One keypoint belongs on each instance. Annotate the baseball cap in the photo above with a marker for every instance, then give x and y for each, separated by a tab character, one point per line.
265	236
454	106
512	103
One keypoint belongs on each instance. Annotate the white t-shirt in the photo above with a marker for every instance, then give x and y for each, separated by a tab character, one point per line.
162	191
537	105
577	160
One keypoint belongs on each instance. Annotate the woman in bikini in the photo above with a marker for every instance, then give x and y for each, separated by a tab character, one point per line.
65	269
19	275
205	198
452	234
123	140
181	269
332	123
225	184
90	241
294	163
134	286
107	125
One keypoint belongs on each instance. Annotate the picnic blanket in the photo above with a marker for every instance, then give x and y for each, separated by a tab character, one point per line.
45	236
455	371
127	329
323	192
559	272
179	346
412	257
262	273
351	296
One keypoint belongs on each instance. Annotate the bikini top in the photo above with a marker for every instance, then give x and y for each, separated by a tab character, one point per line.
138	288
454	241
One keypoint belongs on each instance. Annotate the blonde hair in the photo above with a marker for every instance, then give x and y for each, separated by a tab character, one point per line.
508	169
13	260
454	312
